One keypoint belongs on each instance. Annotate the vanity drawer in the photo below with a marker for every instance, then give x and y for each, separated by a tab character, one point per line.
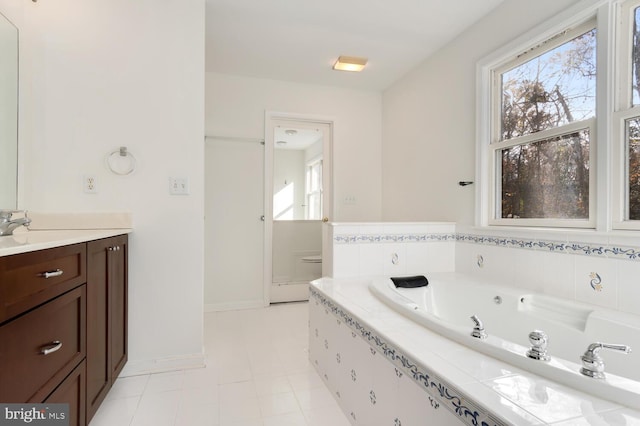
27	373
30	279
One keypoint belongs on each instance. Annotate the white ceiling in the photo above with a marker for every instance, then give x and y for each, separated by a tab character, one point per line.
299	40
300	140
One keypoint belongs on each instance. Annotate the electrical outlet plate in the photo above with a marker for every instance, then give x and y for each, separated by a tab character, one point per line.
179	186
90	184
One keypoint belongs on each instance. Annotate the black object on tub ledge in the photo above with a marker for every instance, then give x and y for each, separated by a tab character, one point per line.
410	282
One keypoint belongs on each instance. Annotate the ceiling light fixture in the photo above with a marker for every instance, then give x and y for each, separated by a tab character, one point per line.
350	63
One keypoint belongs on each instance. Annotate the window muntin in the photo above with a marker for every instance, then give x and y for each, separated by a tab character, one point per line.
545	128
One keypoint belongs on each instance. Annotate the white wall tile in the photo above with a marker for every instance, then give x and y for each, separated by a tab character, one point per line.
557	271
417	258
371	229
466	257
346	260
628	286
441	257
345	229
371	260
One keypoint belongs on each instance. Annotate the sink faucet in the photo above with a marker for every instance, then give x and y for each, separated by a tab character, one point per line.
592	362
7	225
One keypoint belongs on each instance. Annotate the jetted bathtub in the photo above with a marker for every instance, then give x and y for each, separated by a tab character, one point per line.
509	315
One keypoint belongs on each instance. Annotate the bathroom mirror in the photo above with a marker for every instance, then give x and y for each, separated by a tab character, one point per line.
298	173
8	114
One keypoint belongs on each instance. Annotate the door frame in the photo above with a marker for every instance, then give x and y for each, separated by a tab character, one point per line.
269	118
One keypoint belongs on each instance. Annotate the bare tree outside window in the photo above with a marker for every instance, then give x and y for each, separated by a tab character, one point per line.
633	127
635	59
633	145
548	177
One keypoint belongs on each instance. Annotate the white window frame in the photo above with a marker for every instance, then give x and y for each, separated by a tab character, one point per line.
583	13
317	162
624	110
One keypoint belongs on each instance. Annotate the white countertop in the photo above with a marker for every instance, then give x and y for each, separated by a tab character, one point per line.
517	396
25	241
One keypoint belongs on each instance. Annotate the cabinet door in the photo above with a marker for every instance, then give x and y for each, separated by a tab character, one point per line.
72	391
107	313
98	368
118	287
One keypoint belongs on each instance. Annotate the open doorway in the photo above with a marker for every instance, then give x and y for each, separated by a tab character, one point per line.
298	200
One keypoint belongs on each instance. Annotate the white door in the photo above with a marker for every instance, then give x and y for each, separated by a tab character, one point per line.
234	225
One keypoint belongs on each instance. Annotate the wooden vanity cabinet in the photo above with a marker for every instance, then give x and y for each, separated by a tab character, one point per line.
107	326
63	324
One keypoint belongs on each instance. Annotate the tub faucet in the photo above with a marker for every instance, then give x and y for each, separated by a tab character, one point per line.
592	362
478	328
539	341
7	225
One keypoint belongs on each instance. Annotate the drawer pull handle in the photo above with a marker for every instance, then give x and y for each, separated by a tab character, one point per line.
56	345
51	274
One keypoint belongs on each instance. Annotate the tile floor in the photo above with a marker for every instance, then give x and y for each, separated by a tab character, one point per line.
257	373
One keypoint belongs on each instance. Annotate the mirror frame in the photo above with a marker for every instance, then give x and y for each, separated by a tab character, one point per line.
9	115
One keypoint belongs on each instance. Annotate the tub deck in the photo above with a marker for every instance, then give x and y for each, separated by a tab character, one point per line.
497	389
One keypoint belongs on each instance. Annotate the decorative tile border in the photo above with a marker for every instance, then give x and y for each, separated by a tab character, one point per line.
444	393
393	238
573	247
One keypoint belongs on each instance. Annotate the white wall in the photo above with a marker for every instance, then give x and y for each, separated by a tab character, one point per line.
429	120
235	106
97	75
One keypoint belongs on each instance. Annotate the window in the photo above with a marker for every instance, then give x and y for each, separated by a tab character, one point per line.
626	181
545	109
558	113
313	193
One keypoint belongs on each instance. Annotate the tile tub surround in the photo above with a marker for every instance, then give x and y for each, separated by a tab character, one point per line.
469	387
359	249
581	265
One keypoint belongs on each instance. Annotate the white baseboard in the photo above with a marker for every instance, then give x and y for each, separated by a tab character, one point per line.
163	365
233	306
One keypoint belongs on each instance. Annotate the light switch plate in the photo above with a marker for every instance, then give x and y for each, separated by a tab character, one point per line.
179	186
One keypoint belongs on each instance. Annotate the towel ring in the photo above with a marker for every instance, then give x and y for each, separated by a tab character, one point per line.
121	162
